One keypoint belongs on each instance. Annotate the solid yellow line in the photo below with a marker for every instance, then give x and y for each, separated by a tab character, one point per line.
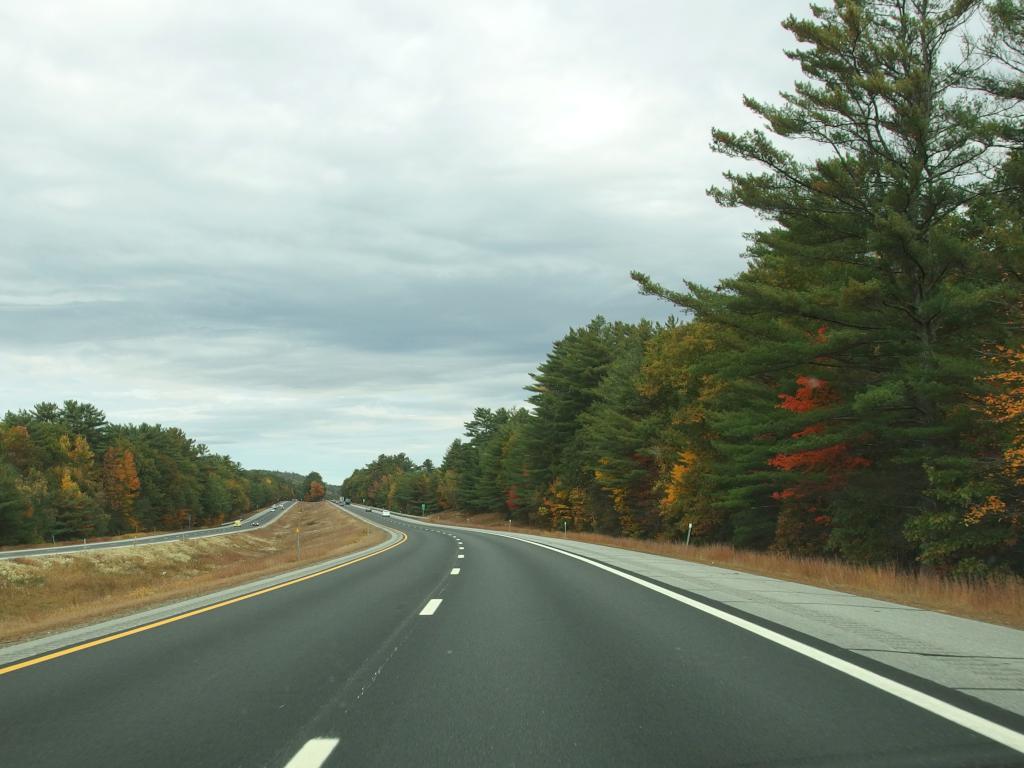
180	616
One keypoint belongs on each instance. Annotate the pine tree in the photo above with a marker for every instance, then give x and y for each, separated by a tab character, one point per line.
14	528
617	436
565	387
871	241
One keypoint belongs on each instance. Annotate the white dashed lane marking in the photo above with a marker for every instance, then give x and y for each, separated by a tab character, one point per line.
431	607
461	556
313	753
456	571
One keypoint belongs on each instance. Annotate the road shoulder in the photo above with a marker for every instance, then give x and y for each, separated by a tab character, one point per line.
985	661
28	649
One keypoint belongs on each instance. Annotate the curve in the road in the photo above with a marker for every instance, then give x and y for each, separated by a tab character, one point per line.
980	725
263	517
196	612
526	658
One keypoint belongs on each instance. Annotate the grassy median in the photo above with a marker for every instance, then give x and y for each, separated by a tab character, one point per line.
998	601
39	595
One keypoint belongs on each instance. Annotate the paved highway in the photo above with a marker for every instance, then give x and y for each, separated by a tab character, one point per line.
458	648
263	517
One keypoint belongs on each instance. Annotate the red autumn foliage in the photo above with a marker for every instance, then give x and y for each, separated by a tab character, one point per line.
818	471
831	458
811	394
834	461
512	499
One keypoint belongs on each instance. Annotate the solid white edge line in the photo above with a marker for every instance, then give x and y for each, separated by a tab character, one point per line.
313	753
431	607
456	571
998	733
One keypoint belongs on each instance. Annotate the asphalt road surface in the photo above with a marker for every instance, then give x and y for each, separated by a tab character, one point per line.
264	517
468	649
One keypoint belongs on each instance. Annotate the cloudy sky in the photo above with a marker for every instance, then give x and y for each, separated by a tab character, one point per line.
312	232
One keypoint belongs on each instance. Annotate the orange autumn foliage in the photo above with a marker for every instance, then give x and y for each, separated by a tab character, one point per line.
562	503
316	491
1006	406
121	485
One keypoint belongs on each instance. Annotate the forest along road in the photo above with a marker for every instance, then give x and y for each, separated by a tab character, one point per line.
458	648
263	517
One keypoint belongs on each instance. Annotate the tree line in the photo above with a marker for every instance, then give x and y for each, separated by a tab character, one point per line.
857	390
66	472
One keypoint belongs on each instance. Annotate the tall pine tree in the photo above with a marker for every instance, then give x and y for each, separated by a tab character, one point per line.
869	242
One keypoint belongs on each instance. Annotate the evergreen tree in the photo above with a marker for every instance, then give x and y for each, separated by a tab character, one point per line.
86	420
13	524
617	437
870	249
565	387
216	500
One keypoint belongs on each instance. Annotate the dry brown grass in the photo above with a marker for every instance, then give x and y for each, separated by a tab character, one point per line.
46	594
1000	601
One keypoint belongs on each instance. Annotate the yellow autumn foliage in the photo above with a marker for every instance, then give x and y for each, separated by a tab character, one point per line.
676	488
1006	406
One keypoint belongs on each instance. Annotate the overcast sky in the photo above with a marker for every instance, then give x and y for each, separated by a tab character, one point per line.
312	232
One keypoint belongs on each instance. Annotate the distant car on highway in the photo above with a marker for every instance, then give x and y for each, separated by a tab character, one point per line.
237	523
385	513
255	523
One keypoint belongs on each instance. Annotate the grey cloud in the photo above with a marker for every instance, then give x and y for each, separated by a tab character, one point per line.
313	232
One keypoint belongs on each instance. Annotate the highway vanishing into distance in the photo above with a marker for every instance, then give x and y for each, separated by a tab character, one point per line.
263	517
462	648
